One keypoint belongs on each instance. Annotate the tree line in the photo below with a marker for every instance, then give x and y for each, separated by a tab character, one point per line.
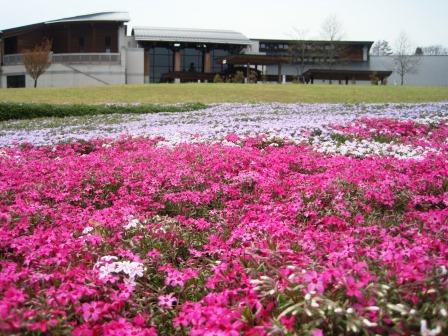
406	58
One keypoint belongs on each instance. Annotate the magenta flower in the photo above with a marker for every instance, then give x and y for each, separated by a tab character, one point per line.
167	301
92	311
154	254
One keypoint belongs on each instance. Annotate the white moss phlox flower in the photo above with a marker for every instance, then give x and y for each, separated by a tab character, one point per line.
108	267
133	223
87	230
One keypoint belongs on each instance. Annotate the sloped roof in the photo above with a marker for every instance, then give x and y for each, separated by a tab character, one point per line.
189	35
103	16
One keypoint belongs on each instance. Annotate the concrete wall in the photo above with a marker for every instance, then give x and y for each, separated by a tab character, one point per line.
64	75
432	70
135	65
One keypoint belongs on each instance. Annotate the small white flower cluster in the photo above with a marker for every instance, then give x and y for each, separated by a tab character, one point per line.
108	266
424	331
213	123
133	223
362	148
87	230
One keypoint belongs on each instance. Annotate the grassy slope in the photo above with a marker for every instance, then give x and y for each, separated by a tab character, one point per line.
216	93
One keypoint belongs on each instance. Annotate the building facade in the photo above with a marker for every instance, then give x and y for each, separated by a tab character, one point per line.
86	50
97	49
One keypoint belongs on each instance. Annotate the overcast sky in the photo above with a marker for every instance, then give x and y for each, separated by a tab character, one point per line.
425	21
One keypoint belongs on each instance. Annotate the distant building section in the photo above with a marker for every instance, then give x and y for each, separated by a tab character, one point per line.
97	49
173	54
431	71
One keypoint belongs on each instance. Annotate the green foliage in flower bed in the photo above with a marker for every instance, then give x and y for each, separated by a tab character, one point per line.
226	93
9	111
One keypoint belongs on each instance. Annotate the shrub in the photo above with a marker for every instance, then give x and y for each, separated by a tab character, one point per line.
10	111
218	79
374	79
253	77
238	77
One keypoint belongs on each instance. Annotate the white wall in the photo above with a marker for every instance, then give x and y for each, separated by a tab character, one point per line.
432	70
135	65
62	75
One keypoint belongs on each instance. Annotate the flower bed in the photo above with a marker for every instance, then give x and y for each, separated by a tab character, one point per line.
253	236
213	123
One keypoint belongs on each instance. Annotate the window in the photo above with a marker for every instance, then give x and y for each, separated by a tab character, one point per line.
16	81
192	60
217	57
81	43
161	61
108	43
11	45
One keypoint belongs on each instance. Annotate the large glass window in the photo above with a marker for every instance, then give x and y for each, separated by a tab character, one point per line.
161	61
16	81
192	60
217	57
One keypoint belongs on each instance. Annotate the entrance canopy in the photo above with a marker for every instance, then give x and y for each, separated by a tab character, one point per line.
345	74
256	60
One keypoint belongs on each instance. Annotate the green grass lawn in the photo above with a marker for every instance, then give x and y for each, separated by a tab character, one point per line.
218	93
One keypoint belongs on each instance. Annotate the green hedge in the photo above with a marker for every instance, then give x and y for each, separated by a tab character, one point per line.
9	111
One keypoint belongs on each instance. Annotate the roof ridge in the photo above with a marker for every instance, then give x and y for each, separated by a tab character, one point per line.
186	29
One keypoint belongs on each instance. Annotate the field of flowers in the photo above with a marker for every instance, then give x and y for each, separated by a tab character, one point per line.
330	227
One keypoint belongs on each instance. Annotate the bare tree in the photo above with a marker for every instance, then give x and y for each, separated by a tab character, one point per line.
332	31
405	62
298	50
435	50
381	48
37	60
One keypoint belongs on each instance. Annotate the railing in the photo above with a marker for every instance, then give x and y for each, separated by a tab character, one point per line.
12	59
91	58
78	58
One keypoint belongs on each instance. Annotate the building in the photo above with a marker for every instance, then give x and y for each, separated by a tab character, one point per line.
343	62
87	50
186	54
98	49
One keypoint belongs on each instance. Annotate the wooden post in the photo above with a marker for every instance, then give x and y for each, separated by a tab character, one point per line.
279	72
208	62
177	61
2	52
94	48
69	37
247	73
146	65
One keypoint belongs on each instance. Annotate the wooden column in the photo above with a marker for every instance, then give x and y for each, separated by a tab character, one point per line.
94	48
247	73
279	72
177	61
69	38
208	62
2	51
146	66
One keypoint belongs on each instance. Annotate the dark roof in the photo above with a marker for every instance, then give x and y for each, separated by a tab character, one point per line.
369	43
343	73
189	35
256	59
94	17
